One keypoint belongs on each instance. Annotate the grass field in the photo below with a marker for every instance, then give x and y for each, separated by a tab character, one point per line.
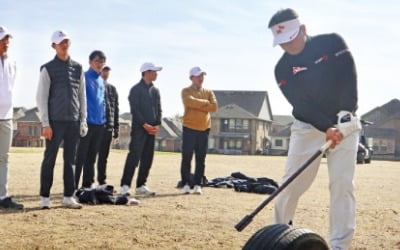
174	221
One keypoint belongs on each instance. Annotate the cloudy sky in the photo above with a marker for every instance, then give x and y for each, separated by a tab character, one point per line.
228	39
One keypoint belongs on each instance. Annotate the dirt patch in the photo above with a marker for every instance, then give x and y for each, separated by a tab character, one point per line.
174	221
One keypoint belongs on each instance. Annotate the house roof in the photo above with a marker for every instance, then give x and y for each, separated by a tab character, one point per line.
30	115
166	130
174	124
18	112
381	132
233	111
282	133
254	102
122	120
283	120
126	116
389	109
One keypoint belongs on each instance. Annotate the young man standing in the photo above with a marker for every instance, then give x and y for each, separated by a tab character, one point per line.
7	79
318	77
112	125
145	103
198	103
61	101
96	119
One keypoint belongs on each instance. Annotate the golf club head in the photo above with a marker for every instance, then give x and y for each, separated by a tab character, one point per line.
243	223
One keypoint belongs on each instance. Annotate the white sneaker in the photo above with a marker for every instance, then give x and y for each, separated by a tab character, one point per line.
133	201
124	190
197	189
186	189
70	202
44	202
143	190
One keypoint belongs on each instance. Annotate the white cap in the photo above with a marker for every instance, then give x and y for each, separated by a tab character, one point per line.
59	36
196	71
149	66
4	32
285	31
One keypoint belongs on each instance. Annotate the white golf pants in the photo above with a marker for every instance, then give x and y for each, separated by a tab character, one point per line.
305	140
5	143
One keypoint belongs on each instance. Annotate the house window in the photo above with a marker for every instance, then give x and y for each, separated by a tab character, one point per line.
231	143
231	124
224	125
278	143
239	144
32	131
245	124
239	124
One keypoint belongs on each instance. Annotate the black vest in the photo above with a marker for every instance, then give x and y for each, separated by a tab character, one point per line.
65	80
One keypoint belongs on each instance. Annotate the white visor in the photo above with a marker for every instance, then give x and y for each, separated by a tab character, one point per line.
285	31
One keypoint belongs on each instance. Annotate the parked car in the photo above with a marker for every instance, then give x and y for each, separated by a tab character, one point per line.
365	150
364	153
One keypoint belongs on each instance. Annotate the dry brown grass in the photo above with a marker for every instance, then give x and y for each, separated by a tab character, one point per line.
174	221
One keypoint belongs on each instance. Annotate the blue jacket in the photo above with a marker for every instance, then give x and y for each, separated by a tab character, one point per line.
95	91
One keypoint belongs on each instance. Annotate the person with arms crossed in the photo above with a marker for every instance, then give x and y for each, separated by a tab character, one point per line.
61	100
112	125
198	103
8	72
145	104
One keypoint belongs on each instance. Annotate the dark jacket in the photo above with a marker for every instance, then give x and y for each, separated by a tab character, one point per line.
112	108
320	81
63	104
145	103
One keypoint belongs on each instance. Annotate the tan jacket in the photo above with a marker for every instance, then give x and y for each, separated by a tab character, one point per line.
198	105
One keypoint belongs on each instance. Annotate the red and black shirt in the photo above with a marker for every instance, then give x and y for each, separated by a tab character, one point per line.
320	81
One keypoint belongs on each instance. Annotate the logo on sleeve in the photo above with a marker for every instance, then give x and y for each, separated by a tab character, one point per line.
282	83
321	59
298	69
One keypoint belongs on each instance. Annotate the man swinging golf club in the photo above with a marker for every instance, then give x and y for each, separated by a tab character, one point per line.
317	76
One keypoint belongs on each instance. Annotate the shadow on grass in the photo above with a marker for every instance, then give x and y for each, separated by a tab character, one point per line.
166	195
29	198
36	197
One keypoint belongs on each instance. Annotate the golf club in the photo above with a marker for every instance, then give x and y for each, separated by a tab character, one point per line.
248	218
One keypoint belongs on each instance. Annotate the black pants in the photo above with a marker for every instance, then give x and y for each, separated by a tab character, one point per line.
69	133
86	157
141	149
197	142
104	150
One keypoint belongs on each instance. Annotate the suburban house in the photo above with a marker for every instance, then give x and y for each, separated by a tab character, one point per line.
280	135
385	130
242	123
169	137
124	137
27	128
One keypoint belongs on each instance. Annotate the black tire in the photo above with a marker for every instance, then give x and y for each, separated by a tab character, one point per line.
285	237
360	158
367	161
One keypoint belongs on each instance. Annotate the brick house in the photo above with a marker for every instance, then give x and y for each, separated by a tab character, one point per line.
27	128
242	123
169	138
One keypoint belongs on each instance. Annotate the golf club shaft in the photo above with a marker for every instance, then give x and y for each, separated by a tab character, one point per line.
248	218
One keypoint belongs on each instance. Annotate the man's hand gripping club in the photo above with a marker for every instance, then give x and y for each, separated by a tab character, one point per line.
346	125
